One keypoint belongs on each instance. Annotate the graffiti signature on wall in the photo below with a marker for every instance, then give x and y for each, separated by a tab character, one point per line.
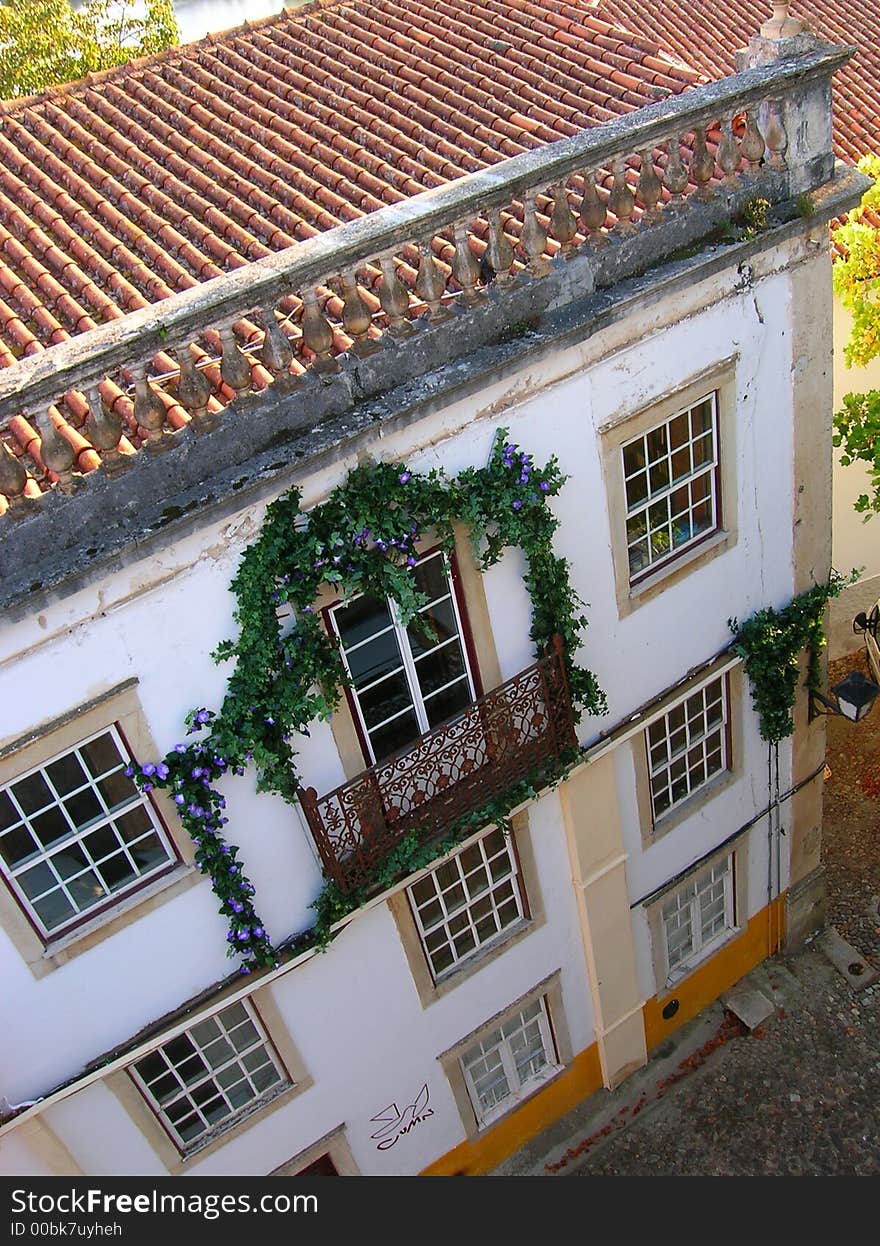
394	1123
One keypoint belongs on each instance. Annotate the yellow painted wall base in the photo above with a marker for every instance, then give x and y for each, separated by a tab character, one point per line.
761	938
474	1157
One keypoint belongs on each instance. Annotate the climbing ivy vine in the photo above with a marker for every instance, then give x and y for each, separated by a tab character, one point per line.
770	644
287	672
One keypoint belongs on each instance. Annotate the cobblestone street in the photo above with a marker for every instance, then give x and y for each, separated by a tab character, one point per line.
799	1095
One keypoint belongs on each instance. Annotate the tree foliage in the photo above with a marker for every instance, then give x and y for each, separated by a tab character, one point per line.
857	283
43	42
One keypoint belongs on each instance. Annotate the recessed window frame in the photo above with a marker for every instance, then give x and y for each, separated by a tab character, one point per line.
408	661
691	896
718	379
120	705
662	495
105	819
215	1130
474	1119
694	740
425	929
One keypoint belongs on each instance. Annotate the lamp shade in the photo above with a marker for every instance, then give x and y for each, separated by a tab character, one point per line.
855	696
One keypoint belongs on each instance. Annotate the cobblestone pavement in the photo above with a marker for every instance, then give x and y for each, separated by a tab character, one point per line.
799	1095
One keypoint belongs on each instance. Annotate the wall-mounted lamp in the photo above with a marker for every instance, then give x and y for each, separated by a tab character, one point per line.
855	696
867	622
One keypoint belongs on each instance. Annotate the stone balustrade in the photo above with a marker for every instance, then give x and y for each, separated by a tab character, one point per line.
142	384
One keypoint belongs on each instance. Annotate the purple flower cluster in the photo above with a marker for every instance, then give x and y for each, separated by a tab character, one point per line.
523	464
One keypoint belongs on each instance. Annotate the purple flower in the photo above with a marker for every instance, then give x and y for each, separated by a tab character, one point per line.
270	720
179	800
516	504
162	770
180	748
226	848
230	938
544	486
147	787
258	932
149	768
411	562
197	772
244	969
129	771
403	477
244	934
237	906
382	545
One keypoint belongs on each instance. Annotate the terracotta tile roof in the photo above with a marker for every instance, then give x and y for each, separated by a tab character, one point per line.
707	36
120	190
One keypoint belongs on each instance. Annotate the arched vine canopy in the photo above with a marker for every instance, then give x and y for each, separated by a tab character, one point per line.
288	672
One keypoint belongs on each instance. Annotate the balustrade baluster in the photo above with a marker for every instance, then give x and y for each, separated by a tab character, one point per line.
57	453
276	351
235	369
13	481
675	175
534	238
394	298
356	318
149	412
563	225
752	144
430	284
622	200
499	252
728	152
104	430
194	393
702	165
465	266
593	211
775	136
317	333
650	187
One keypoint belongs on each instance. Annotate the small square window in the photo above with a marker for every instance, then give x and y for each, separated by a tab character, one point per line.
688	746
507	1062
671	487
210	1074
698	916
76	833
467	902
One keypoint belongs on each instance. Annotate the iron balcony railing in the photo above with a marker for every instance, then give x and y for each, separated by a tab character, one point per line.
450	772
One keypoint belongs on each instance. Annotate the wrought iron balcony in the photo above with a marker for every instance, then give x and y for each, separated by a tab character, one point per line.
450	772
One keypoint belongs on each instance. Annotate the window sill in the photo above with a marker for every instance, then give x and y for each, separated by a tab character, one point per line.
690	806
508	1106
684	971
62	949
651	585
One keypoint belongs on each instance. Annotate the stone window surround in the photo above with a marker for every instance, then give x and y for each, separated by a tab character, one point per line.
653	828
120	705
719	378
476	633
335	1144
550	988
144	1117
738	852
427	989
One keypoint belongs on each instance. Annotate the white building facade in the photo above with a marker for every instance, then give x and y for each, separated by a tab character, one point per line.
467	1004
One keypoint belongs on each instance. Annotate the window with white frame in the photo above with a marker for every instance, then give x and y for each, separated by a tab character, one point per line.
405	679
688	745
75	834
509	1061
671	487
468	902
210	1074
699	916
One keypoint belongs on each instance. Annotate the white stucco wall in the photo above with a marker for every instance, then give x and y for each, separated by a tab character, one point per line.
354	1012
